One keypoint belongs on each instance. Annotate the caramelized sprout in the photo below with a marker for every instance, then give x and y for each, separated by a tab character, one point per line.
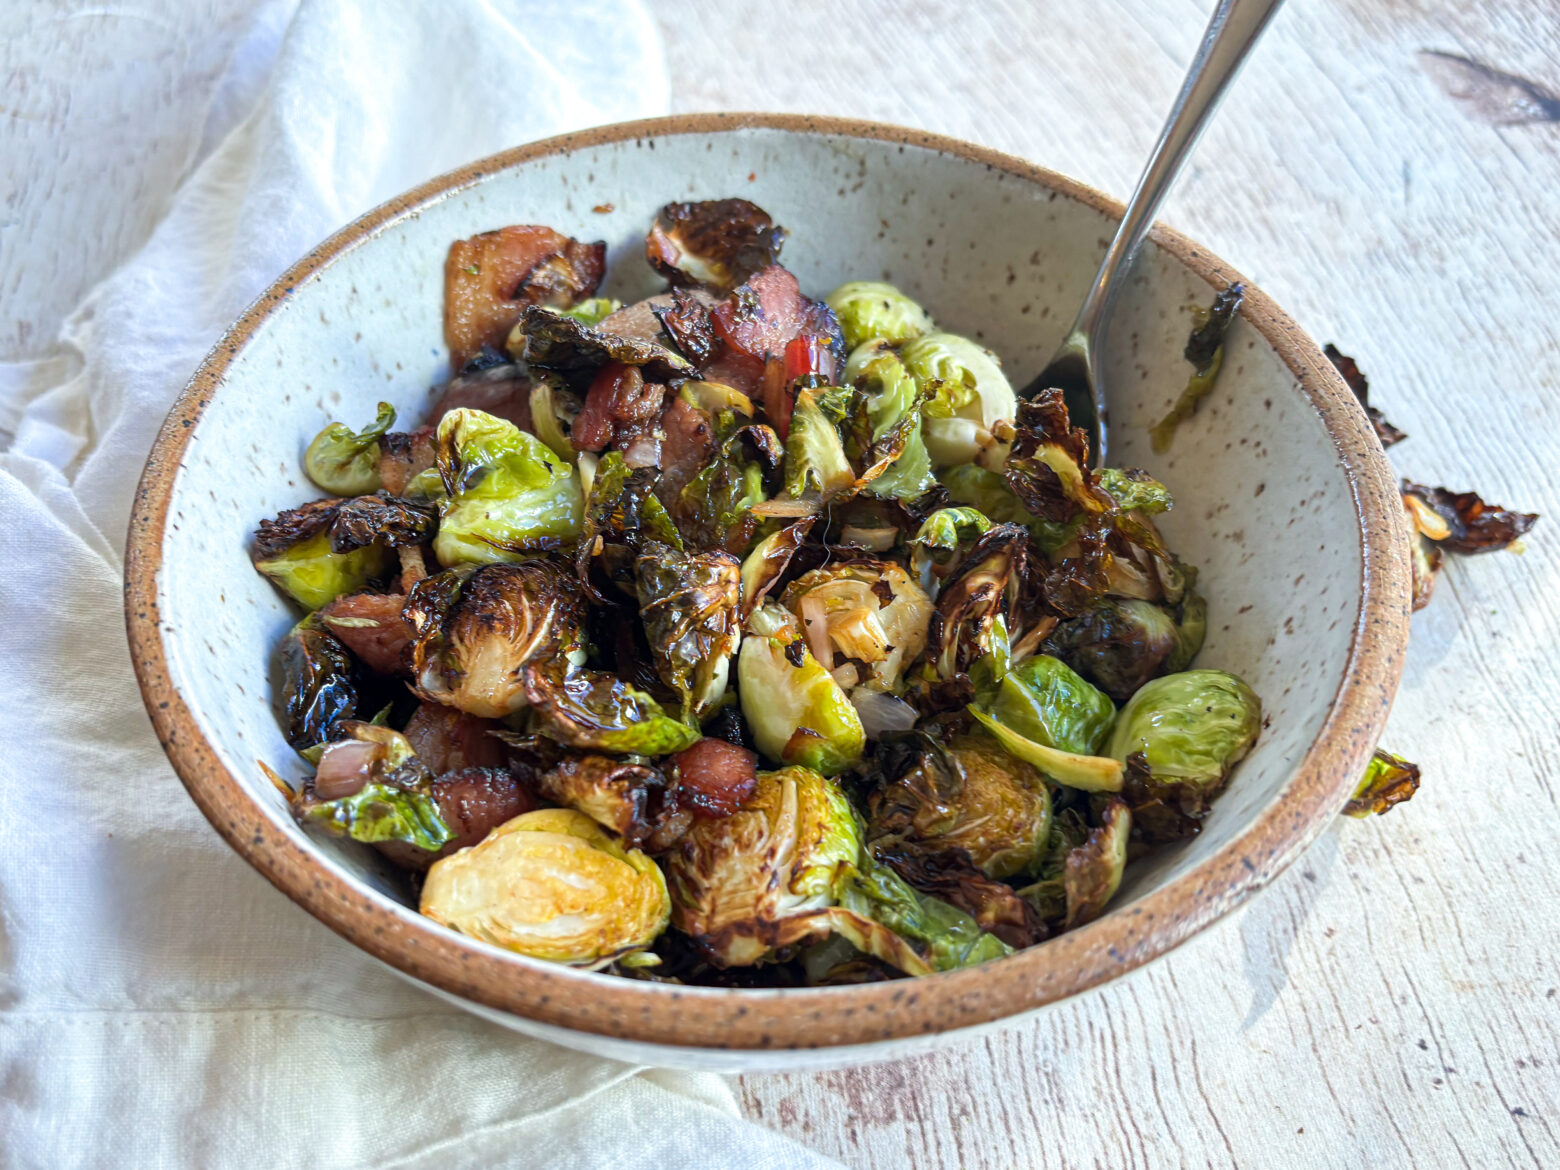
345	462
873	310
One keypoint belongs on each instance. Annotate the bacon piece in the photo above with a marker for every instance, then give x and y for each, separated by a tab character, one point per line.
381	646
491	278
618	407
447	739
688	446
714	777
402	455
500	392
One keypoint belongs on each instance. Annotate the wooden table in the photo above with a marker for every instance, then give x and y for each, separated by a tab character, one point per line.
1394	998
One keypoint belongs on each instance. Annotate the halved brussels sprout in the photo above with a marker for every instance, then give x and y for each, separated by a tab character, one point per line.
872	309
596	711
1118	645
295	551
689	602
1190	729
508	493
317	683
795	709
715	242
970	395
747	885
370	787
551	884
345	462
476	631
814	454
1093	870
867	614
966	795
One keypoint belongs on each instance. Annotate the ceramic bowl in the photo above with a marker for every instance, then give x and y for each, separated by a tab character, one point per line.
1284	500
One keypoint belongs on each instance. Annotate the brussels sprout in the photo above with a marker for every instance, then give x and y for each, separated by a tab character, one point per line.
989	492
1048	469
295	552
1205	350
590	311
1093	870
1190	729
1135	491
1047	703
870	309
383	791
979	598
553	407
1389	780
750	884
868	615
345	462
317	683
622	512
951	876
596	711
476	630
766	564
380	519
893	448
714	509
966	795
884	916
689	602
627	798
933	547
508	494
1119	644
814	455
970	395
716	242
797	712
551	884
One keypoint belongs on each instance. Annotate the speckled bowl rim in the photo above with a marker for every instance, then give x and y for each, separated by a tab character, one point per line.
814	1017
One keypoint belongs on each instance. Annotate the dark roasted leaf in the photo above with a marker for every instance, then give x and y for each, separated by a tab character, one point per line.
689	602
718	242
1357	382
687	323
317	683
1472	525
1205	350
380	519
556	342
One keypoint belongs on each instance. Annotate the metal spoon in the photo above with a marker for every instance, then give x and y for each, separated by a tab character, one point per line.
1076	368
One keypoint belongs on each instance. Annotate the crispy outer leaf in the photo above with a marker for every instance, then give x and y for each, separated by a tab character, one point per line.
1473	526
1389	780
317	683
1349	370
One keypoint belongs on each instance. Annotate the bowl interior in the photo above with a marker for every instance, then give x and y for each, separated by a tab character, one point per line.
1264	508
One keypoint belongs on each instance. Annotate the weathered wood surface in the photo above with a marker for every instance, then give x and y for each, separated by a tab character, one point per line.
1394	999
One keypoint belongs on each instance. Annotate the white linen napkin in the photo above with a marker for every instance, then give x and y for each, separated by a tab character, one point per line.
160	1003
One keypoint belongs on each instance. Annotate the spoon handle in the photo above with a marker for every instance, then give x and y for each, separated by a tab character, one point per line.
1232	30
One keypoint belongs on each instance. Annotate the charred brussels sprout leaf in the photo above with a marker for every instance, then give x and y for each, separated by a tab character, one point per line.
476	631
1093	870
317	683
1189	729
1472	526
870	310
596	711
370	787
718	242
508	494
968	795
625	797
815	459
380	519
551	884
556	342
752	883
689	604
1135	491
974	607
763	567
621	515
553	409
1349	370
345	462
1049	704
888	919
1205	350
1389	780
934	547
378	812
892	444
795	709
296	553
